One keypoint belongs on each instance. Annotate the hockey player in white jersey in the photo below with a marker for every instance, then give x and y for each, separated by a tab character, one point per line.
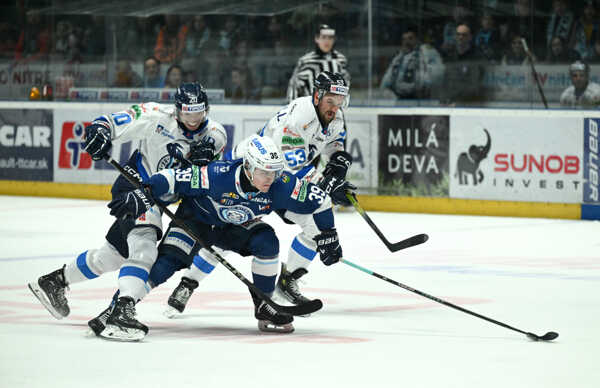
583	94
169	137
305	129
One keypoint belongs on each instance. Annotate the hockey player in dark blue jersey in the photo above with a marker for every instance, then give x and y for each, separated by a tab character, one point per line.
223	203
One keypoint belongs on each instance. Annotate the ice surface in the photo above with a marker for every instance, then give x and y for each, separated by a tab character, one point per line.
537	275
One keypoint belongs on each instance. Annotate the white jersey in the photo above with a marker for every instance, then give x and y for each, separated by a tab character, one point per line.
298	133
156	127
590	98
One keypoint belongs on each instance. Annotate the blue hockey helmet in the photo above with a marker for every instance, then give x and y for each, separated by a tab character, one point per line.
192	104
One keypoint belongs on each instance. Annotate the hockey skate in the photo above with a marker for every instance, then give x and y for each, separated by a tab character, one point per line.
288	285
180	296
122	324
99	323
50	291
269	320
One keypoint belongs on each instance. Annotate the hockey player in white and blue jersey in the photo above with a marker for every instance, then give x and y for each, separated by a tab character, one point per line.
223	202
307	128
168	137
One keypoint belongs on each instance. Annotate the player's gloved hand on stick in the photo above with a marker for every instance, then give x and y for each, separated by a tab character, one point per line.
334	178
175	150
337	190
97	141
202	153
133	203
328	246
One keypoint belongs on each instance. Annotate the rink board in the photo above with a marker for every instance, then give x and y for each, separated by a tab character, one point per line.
532	163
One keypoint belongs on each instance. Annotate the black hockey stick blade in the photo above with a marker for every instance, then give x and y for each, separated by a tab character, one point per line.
549	336
393	247
409	242
302	309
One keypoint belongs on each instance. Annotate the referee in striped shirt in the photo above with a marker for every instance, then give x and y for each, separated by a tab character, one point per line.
323	58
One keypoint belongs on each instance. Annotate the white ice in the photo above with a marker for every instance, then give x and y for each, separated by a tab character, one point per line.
536	275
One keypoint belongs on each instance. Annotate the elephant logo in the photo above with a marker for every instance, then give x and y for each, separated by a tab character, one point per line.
468	162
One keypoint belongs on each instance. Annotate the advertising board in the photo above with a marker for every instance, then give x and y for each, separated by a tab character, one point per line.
516	158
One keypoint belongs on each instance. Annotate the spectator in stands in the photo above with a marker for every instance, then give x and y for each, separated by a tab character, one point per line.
487	39
125	77
198	38
587	30
463	78
560	53
152	77
34	40
515	54
414	71
582	93
323	57
174	77
460	15
562	24
526	23
241	89
229	33
170	41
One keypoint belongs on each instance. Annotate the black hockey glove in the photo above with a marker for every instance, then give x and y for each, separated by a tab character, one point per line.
175	151
333	182
97	141
202	153
133	203
328	246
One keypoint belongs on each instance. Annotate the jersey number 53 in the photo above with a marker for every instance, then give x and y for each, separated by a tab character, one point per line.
295	158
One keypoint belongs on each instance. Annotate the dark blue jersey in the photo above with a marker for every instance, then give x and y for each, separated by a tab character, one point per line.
216	195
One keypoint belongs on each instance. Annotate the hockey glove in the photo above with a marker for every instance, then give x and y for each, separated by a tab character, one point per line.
97	141
133	203
202	153
328	246
175	151
333	182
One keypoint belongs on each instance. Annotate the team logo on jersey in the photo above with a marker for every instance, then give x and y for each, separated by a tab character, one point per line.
293	141
71	153
296	190
290	132
285	178
259	199
235	214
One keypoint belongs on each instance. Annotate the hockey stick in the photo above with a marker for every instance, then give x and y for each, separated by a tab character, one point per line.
301	309
406	243
535	74
549	336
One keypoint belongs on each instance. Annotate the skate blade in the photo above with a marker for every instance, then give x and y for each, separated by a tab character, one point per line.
171	313
115	333
41	296
270	327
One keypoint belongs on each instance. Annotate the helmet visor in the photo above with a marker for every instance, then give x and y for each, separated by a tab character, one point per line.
192	115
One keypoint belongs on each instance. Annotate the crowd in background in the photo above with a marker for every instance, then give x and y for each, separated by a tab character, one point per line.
252	57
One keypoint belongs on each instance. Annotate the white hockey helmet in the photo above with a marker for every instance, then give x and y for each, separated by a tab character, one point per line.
262	153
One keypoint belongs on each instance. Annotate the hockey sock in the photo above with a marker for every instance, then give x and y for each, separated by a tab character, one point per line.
300	254
264	273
